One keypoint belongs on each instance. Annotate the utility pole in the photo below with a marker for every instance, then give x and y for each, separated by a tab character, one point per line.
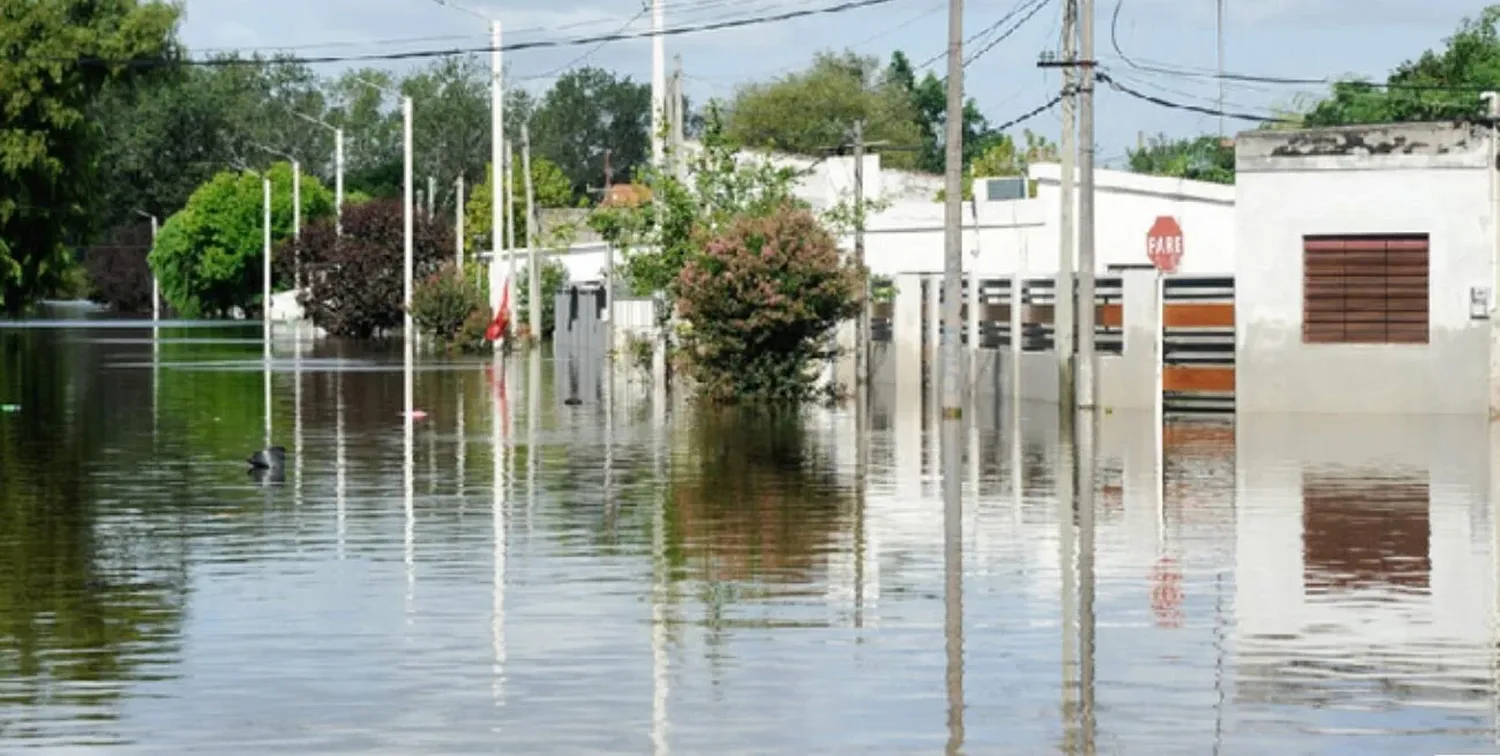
406	183
953	213
431	195
338	180
296	225
679	117
497	152
1219	18
862	329
510	228
1066	302
1087	373
534	285
458	222
658	80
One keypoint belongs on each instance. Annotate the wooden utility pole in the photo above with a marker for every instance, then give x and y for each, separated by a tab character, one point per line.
862	330
1065	300
1087	369
534	285
953	213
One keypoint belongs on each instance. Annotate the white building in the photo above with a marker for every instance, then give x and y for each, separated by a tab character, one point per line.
1362	246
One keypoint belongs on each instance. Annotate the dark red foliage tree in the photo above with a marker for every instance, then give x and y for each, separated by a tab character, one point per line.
118	274
353	283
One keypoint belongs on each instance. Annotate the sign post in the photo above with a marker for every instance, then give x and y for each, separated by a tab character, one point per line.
1164	247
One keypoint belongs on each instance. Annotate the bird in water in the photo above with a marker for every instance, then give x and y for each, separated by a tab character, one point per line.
273	458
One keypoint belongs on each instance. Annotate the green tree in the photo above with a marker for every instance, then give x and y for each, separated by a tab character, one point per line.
48	145
812	110
452	121
1204	158
587	112
1438	85
1005	158
550	188
208	256
929	98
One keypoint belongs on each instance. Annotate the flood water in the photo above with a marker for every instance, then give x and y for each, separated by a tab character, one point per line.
517	574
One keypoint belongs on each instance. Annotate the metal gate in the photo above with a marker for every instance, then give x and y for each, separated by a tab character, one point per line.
1198	337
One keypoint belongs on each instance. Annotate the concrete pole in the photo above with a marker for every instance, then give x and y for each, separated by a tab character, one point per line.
1493	101
534	272
338	180
953	213
510	229
1087	373
431	195
1066	302
296	226
266	265
155	282
497	148
658	80
408	267
862	328
458	223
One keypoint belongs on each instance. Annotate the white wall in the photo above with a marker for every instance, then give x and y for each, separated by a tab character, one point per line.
908	236
1291	184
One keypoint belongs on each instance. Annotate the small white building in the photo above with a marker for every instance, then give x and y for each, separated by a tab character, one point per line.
1362	247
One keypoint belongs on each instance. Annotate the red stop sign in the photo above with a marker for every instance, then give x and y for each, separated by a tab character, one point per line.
1164	244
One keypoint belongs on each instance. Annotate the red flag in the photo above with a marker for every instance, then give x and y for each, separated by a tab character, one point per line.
499	325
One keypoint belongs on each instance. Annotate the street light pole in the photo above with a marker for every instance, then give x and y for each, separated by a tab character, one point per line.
407	218
338	179
155	282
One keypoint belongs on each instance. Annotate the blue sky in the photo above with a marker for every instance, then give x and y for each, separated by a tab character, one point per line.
1288	38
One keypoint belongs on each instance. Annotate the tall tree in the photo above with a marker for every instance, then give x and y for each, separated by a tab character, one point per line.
929	99
814	109
1204	158
1439	85
453	119
589	111
49	148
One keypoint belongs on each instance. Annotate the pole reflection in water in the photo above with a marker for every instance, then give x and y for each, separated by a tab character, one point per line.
953	577
659	581
861	469
266	371
408	470
340	464
155	382
533	419
1067	524
462	451
1087	425
498	419
297	416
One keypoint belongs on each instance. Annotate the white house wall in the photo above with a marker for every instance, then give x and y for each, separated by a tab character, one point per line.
1296	183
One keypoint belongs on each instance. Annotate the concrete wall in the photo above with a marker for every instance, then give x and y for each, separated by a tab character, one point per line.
1427	178
1004	236
1126	380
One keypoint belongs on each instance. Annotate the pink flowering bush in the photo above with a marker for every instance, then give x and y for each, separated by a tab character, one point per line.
760	301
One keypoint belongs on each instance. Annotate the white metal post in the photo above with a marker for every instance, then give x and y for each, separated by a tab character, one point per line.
155	282
338	179
534	285
266	265
497	148
458	223
510	229
407	218
296	226
658	81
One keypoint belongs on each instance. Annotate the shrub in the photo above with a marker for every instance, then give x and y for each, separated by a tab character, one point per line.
117	269
209	255
354	284
761	299
470	336
554	277
443	301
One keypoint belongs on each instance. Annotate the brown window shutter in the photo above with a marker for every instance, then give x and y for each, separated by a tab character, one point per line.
1365	289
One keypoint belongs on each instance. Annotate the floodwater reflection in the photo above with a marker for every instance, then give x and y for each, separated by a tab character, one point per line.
513	572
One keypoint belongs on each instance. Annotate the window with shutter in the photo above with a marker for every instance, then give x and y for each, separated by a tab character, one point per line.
1365	289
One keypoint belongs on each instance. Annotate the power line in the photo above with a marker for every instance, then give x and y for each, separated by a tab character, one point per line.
590	52
1154	100
1012	30
987	30
1187	72
848	5
1030	114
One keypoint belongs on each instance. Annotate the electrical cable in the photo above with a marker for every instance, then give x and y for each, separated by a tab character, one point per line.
1285	80
843	7
1012	30
988	30
1117	86
590	52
